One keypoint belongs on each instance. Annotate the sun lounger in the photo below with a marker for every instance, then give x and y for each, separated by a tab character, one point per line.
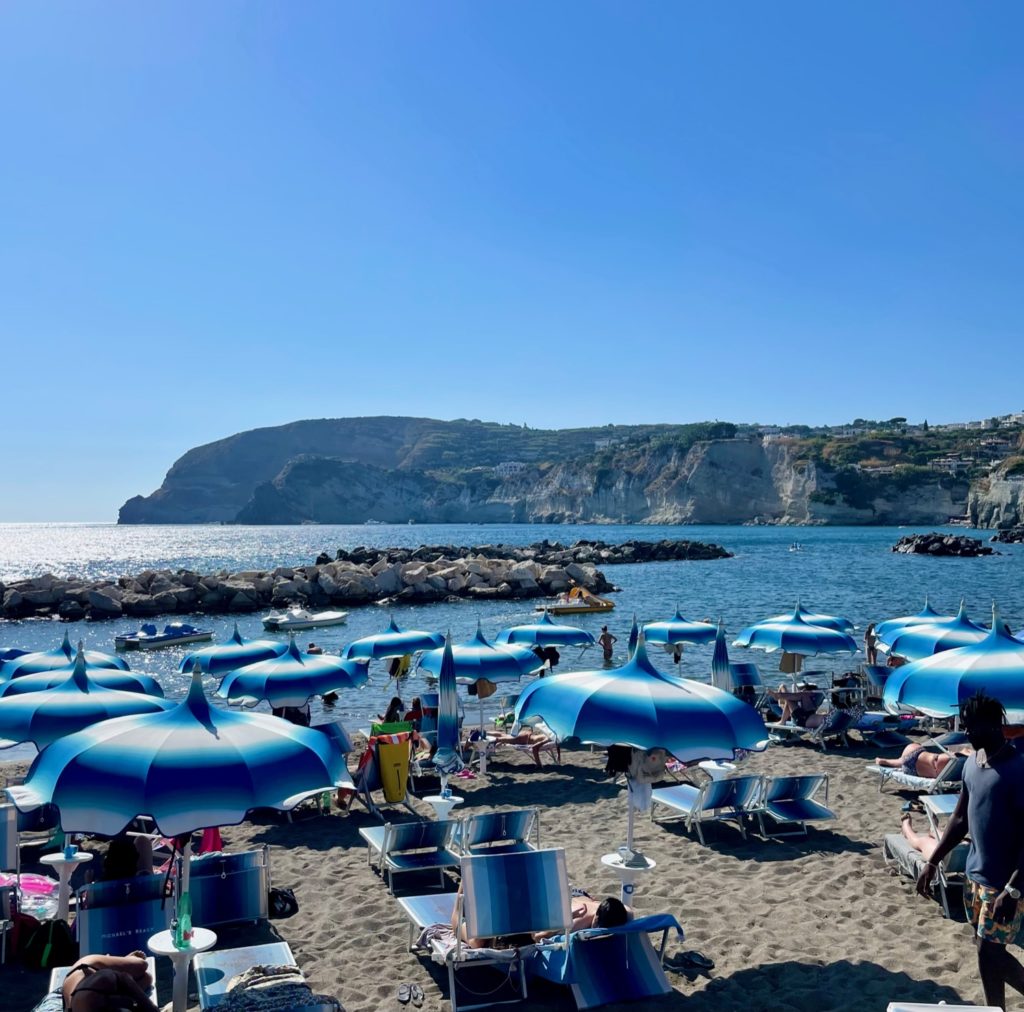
385	767
834	727
605	965
216	970
732	799
230	888
503	895
897	853
950	779
792	801
411	846
118	917
498	832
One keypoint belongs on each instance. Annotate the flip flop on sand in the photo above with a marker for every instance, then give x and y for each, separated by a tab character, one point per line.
692	960
417	995
404	993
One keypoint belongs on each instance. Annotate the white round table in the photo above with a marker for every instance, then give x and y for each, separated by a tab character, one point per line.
64	867
162	944
442	805
628	874
483	747
717	769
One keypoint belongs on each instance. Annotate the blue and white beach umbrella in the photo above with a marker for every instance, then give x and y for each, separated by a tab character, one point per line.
795	636
291	679
45	716
393	642
721	670
188	768
477	659
938	684
680	630
101	678
236	652
814	618
62	656
917	641
639	706
545	633
926	616
447	758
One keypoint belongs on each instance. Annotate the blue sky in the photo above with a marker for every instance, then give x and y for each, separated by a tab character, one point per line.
222	216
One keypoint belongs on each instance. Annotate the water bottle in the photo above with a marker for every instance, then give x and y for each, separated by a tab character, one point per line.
176	932
185	919
325	801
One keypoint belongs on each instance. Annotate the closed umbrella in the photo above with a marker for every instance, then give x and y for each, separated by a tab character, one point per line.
545	633
917	641
393	642
721	672
235	652
639	706
938	684
447	757
59	657
75	703
679	630
291	679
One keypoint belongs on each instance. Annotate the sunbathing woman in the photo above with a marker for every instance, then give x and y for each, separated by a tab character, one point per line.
917	762
527	736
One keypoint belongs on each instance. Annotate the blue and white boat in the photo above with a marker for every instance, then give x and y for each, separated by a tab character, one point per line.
149	638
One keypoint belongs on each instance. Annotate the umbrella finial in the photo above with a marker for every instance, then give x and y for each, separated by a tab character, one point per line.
78	673
293	649
236	636
392	624
66	645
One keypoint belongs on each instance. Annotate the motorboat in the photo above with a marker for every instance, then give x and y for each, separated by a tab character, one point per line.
300	618
576	601
148	637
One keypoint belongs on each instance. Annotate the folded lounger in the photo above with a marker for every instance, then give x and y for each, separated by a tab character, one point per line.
733	799
410	846
498	832
791	801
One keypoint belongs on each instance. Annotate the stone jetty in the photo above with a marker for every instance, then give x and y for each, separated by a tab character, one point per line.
361	576
956	545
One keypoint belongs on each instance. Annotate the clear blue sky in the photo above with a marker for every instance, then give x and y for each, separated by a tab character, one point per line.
217	216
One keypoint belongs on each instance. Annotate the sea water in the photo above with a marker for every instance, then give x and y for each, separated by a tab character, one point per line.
849	571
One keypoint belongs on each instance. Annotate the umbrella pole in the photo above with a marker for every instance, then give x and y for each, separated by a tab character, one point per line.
629	822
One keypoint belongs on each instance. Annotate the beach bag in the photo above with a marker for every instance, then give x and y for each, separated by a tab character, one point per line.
282	903
50	945
619	758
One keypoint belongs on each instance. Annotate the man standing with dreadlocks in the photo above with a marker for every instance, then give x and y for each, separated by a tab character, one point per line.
991	809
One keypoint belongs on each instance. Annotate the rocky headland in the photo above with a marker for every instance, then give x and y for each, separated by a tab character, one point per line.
935	544
360	576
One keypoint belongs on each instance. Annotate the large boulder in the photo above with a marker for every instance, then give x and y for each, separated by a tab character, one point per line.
105	602
139	604
71	611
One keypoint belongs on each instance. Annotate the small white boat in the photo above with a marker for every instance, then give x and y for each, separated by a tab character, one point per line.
148	638
299	618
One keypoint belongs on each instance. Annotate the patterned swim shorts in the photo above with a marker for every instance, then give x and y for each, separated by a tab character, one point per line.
978	900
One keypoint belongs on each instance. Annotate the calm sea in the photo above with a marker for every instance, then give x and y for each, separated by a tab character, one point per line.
847	571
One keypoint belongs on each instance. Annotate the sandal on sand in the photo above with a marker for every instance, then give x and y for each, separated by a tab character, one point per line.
913	806
417	995
693	960
404	993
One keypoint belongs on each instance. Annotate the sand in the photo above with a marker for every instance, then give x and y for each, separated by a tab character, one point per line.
809	924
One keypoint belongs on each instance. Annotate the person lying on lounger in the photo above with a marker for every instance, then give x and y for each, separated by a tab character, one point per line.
924	843
526	736
917	762
107	982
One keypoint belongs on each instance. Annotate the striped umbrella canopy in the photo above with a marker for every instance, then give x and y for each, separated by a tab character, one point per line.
291	679
101	678
917	641
938	684
795	636
235	652
546	633
45	716
637	705
680	630
188	768
447	758
926	616
721	671
477	659
62	656
814	618
10	653
393	642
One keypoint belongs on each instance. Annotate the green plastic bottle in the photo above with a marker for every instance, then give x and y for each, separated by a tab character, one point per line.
185	921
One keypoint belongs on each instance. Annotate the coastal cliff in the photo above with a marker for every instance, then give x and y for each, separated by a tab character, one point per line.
348	471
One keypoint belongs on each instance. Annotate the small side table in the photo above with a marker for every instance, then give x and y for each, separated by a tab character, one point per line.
443	806
64	867
627	874
717	769
162	944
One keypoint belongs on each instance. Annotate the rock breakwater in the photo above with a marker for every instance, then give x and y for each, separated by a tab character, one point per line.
362	576
937	544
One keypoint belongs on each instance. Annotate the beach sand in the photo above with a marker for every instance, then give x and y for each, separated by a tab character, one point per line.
806	924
